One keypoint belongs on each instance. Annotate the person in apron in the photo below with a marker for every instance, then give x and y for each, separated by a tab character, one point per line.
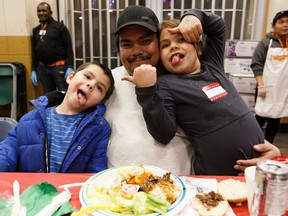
270	68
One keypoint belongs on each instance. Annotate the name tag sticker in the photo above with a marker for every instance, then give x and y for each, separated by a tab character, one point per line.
214	91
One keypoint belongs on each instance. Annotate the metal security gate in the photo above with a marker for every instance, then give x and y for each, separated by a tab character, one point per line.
92	23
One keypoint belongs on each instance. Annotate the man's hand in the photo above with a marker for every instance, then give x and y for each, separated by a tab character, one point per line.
267	150
190	27
143	76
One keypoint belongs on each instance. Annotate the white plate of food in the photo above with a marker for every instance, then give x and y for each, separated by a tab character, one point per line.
123	191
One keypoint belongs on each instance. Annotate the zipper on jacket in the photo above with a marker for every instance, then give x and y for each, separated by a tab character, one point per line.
46	156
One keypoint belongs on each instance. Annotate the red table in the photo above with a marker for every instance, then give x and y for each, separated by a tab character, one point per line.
27	179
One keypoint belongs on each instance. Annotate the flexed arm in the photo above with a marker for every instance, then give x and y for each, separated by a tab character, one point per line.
190	28
159	117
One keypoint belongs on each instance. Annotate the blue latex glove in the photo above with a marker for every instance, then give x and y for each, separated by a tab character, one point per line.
68	71
34	78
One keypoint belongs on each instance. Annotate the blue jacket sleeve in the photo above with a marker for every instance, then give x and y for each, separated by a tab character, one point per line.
9	153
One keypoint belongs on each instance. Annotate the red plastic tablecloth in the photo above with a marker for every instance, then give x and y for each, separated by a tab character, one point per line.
28	179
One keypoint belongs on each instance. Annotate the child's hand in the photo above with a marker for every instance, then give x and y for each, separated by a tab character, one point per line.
190	28
143	76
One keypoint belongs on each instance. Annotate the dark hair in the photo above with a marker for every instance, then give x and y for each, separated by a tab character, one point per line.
279	15
45	3
174	23
106	70
137	15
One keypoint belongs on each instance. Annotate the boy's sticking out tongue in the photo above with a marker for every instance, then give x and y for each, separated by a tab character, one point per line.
81	98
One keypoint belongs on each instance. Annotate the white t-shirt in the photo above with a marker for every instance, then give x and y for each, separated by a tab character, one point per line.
130	141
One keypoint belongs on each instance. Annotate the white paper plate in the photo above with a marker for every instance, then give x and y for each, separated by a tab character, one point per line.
107	177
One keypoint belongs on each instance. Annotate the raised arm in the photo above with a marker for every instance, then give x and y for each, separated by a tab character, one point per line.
160	119
196	23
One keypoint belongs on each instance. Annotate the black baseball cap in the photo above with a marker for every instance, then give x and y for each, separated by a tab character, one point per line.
137	15
278	15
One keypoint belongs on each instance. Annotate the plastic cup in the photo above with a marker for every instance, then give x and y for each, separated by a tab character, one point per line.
250	183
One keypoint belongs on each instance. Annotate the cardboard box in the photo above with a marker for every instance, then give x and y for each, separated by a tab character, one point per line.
240	48
249	99
243	83
236	66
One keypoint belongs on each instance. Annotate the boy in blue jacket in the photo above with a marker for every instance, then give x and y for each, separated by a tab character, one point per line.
65	132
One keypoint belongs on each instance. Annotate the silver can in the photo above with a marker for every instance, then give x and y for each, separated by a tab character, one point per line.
271	188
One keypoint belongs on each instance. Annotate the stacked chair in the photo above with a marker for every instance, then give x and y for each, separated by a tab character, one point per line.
12	85
12	90
6	124
8	83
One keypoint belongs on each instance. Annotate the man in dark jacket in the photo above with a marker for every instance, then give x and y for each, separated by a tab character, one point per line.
52	54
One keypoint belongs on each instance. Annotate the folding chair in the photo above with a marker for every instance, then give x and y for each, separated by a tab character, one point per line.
6	124
8	83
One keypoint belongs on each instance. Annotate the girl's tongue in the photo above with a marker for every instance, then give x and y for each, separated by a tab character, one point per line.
175	59
81	98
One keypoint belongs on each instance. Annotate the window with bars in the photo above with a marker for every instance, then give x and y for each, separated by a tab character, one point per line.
92	23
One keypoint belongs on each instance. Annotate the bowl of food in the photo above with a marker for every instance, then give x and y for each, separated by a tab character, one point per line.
133	190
